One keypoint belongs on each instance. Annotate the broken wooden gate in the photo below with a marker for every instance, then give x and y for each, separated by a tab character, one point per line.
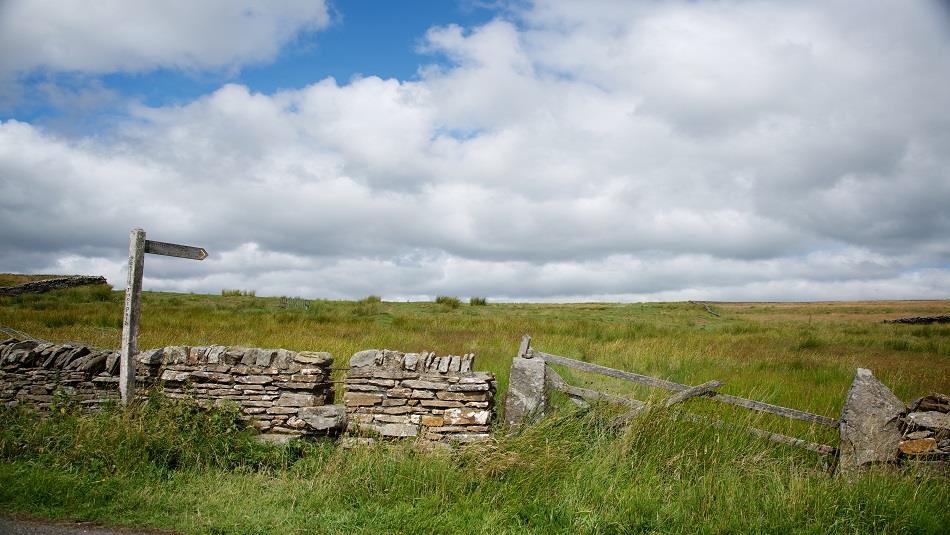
531	378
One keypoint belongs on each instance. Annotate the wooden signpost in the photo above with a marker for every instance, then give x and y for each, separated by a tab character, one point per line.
138	246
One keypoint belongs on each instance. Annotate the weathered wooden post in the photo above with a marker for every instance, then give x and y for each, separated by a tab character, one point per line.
130	317
138	246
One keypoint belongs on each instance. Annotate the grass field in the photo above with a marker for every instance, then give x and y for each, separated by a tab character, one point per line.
570	473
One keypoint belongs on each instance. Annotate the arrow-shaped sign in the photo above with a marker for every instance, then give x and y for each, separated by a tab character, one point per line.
173	249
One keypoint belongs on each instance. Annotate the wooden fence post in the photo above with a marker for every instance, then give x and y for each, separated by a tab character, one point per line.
130	316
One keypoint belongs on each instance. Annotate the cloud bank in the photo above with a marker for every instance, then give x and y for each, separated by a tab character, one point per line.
610	150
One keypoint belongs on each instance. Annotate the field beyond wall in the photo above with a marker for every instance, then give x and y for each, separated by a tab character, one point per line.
569	474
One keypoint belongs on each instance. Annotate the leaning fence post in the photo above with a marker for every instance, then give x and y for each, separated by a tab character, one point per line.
130	317
527	388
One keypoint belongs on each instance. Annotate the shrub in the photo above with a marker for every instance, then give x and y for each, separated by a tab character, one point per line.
371	299
238	293
477	301
451	302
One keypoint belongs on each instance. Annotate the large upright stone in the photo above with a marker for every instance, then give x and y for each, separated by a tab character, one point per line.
325	419
869	424
526	397
364	358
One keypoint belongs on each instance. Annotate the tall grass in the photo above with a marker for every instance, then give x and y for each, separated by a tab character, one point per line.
172	467
477	301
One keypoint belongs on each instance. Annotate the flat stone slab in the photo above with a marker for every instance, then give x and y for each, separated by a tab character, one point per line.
929	419
869	424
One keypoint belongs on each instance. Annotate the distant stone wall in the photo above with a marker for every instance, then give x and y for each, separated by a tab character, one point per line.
421	395
48	285
278	391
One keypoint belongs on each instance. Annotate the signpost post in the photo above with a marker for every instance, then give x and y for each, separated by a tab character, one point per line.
138	246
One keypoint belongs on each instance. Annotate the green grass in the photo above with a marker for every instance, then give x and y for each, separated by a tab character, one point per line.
168	466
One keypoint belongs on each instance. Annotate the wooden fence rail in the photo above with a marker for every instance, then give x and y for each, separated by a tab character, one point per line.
681	393
677	387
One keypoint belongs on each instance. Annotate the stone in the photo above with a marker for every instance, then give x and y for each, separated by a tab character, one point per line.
174	376
439	403
299	386
466	417
176	355
444	364
469	387
918	435
362	359
392	418
455	363
397	410
195	355
324	419
431	421
526	398
282	410
112	363
318	358
426	385
399	392
297	400
353	399
211	376
869	424
262	357
463	396
254	379
933	402
214	353
379	373
410	361
930	419
398	430
422	394
151	357
396	402
95	364
917	446
477	377
365	388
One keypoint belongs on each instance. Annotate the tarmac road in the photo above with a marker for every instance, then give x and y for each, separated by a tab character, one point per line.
9	526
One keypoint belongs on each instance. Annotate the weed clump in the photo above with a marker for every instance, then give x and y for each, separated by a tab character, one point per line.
477	301
451	302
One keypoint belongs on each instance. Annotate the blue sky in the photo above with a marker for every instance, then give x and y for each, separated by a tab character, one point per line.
363	39
543	150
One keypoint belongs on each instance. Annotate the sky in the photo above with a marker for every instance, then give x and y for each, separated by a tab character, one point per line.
524	151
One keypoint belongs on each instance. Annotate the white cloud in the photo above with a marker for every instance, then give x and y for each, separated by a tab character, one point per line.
727	150
140	35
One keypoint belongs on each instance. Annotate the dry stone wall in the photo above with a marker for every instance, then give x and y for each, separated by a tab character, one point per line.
48	285
421	395
280	392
